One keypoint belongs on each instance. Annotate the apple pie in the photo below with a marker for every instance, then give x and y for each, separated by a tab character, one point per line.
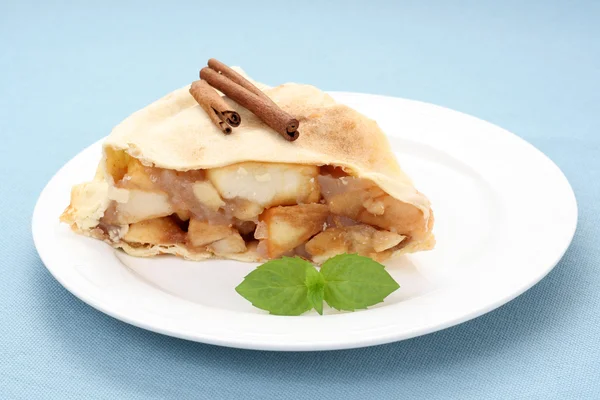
170	182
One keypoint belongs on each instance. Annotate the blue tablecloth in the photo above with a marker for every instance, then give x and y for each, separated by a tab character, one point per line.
69	73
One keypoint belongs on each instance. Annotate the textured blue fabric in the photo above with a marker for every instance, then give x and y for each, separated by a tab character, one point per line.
70	72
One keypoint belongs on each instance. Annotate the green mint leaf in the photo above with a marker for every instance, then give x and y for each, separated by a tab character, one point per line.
354	282
316	287
279	286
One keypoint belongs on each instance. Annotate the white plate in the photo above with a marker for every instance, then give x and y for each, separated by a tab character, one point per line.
505	215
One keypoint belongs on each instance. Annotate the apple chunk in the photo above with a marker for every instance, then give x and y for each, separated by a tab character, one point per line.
201	233
142	205
267	184
285	228
362	239
206	194
231	244
367	203
155	231
136	177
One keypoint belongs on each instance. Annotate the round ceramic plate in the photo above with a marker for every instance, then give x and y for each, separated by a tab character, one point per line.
505	215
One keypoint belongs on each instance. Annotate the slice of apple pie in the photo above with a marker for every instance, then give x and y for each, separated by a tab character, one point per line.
170	182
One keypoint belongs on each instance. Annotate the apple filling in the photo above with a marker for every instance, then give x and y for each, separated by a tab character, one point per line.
271	209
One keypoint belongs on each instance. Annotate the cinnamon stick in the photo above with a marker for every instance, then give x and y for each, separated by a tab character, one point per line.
213	104
259	104
237	78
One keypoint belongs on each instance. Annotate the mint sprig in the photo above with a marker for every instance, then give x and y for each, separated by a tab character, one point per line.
292	286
